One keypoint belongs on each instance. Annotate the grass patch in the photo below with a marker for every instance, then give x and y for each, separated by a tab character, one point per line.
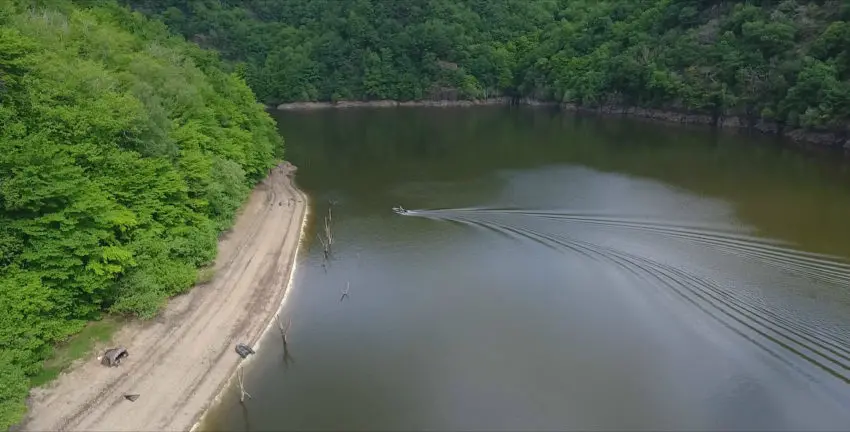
205	275
75	347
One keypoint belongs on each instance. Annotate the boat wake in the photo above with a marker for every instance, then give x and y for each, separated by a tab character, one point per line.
777	332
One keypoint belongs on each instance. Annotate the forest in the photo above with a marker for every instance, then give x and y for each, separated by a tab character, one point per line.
124	152
785	62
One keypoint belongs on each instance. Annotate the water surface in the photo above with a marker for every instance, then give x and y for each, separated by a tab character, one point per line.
557	273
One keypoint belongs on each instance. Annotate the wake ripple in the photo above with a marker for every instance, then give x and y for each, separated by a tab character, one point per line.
814	266
769	329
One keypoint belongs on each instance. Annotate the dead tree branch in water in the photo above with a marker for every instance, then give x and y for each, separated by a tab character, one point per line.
283	329
328	239
326	249
345	291
242	391
287	358
329	235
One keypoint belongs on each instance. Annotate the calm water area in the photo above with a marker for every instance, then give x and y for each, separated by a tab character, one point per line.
556	272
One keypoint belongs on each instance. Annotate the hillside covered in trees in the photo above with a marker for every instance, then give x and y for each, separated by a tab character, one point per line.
124	151
782	61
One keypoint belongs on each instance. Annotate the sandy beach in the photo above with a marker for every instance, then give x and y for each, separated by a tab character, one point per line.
180	361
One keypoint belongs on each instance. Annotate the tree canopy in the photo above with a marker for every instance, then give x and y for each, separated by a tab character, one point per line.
124	151
782	61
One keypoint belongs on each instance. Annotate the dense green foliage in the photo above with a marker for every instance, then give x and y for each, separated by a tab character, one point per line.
365	49
785	61
362	49
124	151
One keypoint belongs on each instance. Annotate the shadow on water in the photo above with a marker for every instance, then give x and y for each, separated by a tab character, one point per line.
288	360
246	418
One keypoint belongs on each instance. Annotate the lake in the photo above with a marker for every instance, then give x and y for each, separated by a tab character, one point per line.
556	272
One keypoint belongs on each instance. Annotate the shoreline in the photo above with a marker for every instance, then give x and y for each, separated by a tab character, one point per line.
385	103
271	323
182	361
834	140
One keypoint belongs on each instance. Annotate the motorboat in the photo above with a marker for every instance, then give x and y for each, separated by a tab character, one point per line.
400	210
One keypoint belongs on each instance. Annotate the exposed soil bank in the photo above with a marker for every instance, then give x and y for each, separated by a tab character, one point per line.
830	139
179	362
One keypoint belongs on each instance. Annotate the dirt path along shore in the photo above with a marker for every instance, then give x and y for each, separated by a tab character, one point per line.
179	362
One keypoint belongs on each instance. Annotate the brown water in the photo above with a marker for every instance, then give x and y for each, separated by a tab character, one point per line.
557	273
